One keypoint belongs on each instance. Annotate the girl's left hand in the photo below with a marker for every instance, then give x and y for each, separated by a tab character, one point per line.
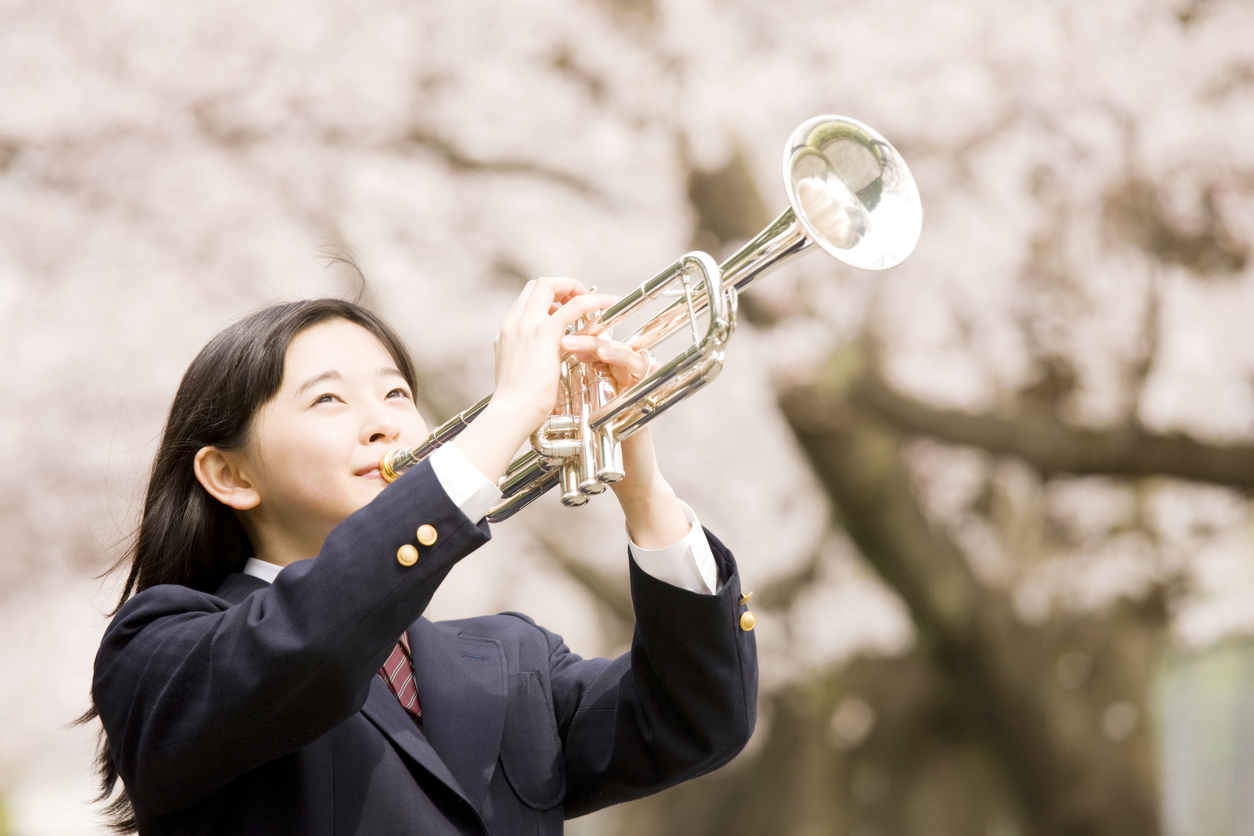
628	367
653	513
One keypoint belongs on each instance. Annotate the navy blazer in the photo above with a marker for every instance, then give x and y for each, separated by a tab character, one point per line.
258	709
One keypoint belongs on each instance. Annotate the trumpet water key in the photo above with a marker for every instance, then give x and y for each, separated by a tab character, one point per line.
849	192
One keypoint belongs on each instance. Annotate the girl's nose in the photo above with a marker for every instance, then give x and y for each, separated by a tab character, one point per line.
380	425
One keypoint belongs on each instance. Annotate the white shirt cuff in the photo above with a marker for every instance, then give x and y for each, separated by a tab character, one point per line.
469	489
688	564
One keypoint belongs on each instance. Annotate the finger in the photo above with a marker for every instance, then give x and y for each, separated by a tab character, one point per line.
581	306
520	304
598	349
623	378
582	346
576	288
617	355
596	325
553	289
607	357
626	366
563	287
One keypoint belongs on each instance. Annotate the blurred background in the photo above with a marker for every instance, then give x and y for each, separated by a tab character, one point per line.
995	503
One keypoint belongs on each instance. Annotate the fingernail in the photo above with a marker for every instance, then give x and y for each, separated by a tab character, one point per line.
569	343
605	353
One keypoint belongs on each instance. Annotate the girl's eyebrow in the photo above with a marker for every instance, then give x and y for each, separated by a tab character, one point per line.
330	374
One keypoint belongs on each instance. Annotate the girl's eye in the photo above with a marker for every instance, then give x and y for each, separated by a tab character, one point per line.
398	392
327	398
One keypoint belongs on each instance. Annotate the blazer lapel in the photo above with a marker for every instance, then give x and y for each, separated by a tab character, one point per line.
383	709
462	685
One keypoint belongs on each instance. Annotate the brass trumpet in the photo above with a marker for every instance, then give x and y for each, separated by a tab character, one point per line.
849	192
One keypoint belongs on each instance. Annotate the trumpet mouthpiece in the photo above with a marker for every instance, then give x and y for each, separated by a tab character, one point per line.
393	464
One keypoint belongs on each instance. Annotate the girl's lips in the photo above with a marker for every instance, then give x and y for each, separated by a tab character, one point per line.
371	472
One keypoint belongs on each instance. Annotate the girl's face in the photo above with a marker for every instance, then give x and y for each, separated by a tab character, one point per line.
313	457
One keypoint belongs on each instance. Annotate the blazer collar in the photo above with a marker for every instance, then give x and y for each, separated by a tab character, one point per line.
239	586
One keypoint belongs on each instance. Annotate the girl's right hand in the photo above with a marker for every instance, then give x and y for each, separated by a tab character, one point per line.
528	354
528	347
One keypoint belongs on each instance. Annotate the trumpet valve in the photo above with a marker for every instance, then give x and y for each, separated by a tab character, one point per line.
592	486
571	495
610	460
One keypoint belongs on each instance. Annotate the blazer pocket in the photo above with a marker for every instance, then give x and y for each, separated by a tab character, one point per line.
531	751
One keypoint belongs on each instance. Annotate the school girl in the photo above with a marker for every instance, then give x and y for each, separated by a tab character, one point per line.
269	671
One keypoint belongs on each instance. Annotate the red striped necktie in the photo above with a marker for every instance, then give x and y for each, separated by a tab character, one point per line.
398	673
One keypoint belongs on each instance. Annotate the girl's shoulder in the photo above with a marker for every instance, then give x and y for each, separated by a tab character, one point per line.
168	598
157	603
172	599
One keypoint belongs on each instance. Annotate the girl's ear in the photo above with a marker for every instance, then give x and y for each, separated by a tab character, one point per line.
222	477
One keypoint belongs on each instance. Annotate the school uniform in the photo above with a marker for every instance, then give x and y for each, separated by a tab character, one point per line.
258	709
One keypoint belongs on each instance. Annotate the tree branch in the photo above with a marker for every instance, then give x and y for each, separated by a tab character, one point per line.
1033	432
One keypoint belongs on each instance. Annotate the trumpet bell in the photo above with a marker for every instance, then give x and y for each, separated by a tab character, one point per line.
852	192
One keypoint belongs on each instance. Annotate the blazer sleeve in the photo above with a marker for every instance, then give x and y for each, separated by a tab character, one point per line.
194	691
681	703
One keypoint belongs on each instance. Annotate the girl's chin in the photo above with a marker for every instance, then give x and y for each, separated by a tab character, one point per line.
370	488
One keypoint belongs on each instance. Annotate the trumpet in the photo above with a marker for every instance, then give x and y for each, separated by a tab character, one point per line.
849	192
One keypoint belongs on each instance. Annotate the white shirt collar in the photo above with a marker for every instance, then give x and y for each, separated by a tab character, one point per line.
261	569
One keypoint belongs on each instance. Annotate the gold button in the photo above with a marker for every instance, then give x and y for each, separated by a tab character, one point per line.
747	621
407	555
426	534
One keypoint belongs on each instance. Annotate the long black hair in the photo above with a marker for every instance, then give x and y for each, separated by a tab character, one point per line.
186	536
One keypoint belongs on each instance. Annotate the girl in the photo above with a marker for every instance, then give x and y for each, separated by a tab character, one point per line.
246	688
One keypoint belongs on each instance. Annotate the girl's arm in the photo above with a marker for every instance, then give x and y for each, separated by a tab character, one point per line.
195	690
680	704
